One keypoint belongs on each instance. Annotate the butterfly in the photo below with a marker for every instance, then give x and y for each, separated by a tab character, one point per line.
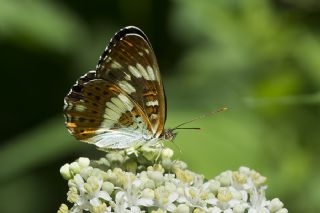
122	103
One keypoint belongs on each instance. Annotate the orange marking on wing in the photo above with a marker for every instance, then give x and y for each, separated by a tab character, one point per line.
88	132
71	125
126	118
152	110
150	93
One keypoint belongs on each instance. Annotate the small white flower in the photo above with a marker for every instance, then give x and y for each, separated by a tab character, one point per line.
214	209
167	153
120	204
198	196
75	167
108	187
283	210
84	162
179	164
65	171
239	208
86	172
132	195
258	200
147	194
225	178
165	200
275	205
156	176
228	211
63	208
213	185
89	192
182	208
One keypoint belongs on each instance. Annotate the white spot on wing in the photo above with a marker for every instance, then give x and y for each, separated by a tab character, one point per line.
80	108
68	105
119	104
126	87
147	51
112	114
127	76
114	107
116	65
134	71
155	122
153	116
106	116
113	111
107	123
126	101
152	103
140	53
151	73
143	71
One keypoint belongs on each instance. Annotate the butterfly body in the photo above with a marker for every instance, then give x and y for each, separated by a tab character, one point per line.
122	103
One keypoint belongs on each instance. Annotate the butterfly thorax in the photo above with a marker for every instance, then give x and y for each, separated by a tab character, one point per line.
168	135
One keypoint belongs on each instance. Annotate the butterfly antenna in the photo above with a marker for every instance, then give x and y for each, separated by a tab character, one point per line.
196	128
200	117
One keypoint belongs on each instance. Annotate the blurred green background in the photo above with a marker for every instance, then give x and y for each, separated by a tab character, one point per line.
261	59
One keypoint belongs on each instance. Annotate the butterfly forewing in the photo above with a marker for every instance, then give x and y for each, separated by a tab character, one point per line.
122	103
130	63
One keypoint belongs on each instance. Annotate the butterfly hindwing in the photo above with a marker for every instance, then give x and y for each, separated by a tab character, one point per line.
96	108
130	63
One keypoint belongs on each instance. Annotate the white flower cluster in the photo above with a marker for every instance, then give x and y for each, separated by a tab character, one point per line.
148	180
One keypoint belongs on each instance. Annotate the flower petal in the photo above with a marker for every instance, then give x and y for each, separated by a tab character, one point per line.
145	202
104	195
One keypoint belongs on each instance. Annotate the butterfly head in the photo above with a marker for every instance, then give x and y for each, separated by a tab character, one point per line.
169	135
